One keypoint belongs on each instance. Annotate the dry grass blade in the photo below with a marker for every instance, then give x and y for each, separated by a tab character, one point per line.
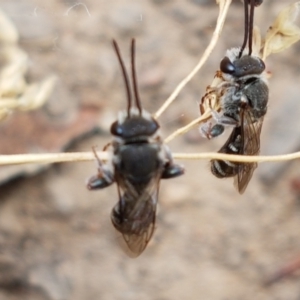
50	158
8	33
188	127
283	32
15	92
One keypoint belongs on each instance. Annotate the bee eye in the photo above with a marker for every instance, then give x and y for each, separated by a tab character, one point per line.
116	129
226	66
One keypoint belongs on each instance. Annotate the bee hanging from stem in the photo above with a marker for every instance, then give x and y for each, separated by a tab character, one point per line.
139	160
238	98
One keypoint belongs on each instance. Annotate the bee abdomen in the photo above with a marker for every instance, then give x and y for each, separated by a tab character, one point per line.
233	148
223	168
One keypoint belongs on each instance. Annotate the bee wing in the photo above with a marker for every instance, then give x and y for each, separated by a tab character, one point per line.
251	141
139	213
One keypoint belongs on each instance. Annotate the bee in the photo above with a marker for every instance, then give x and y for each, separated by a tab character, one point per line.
238	97
243	102
139	160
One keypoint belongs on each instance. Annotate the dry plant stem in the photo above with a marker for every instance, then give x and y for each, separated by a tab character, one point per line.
188	127
238	158
50	158
223	9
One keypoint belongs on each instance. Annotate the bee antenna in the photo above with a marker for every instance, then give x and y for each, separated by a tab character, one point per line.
125	76
134	79
246	28
251	23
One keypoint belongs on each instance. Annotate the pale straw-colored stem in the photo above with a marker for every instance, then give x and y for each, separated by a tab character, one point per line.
223	9
238	158
188	127
7	103
49	158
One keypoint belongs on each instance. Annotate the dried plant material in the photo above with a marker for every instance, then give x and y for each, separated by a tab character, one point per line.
8	32
210	101
4	112
14	58
257	42
12	81
36	94
15	92
33	96
182	130
283	33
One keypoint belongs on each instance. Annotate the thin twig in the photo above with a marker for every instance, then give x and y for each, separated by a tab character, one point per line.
50	158
188	127
223	9
238	158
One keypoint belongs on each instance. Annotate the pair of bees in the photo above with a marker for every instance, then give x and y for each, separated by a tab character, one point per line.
139	158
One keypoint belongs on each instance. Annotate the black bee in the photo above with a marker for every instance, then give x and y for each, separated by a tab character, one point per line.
241	95
139	160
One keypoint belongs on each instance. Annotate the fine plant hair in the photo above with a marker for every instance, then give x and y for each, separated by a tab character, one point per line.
285	21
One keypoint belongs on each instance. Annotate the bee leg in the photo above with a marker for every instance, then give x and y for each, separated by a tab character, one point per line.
100	181
208	131
205	129
216	130
170	169
222	119
104	177
106	147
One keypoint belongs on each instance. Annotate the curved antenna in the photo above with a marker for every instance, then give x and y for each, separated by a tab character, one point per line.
125	76
135	87
246	28
251	22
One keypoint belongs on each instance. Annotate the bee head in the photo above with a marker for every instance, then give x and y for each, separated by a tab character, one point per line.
135	122
244	66
135	126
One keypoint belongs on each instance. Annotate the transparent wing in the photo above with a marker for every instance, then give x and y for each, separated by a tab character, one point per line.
251	141
136	212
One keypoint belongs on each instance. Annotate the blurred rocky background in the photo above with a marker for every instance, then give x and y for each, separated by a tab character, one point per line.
56	239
